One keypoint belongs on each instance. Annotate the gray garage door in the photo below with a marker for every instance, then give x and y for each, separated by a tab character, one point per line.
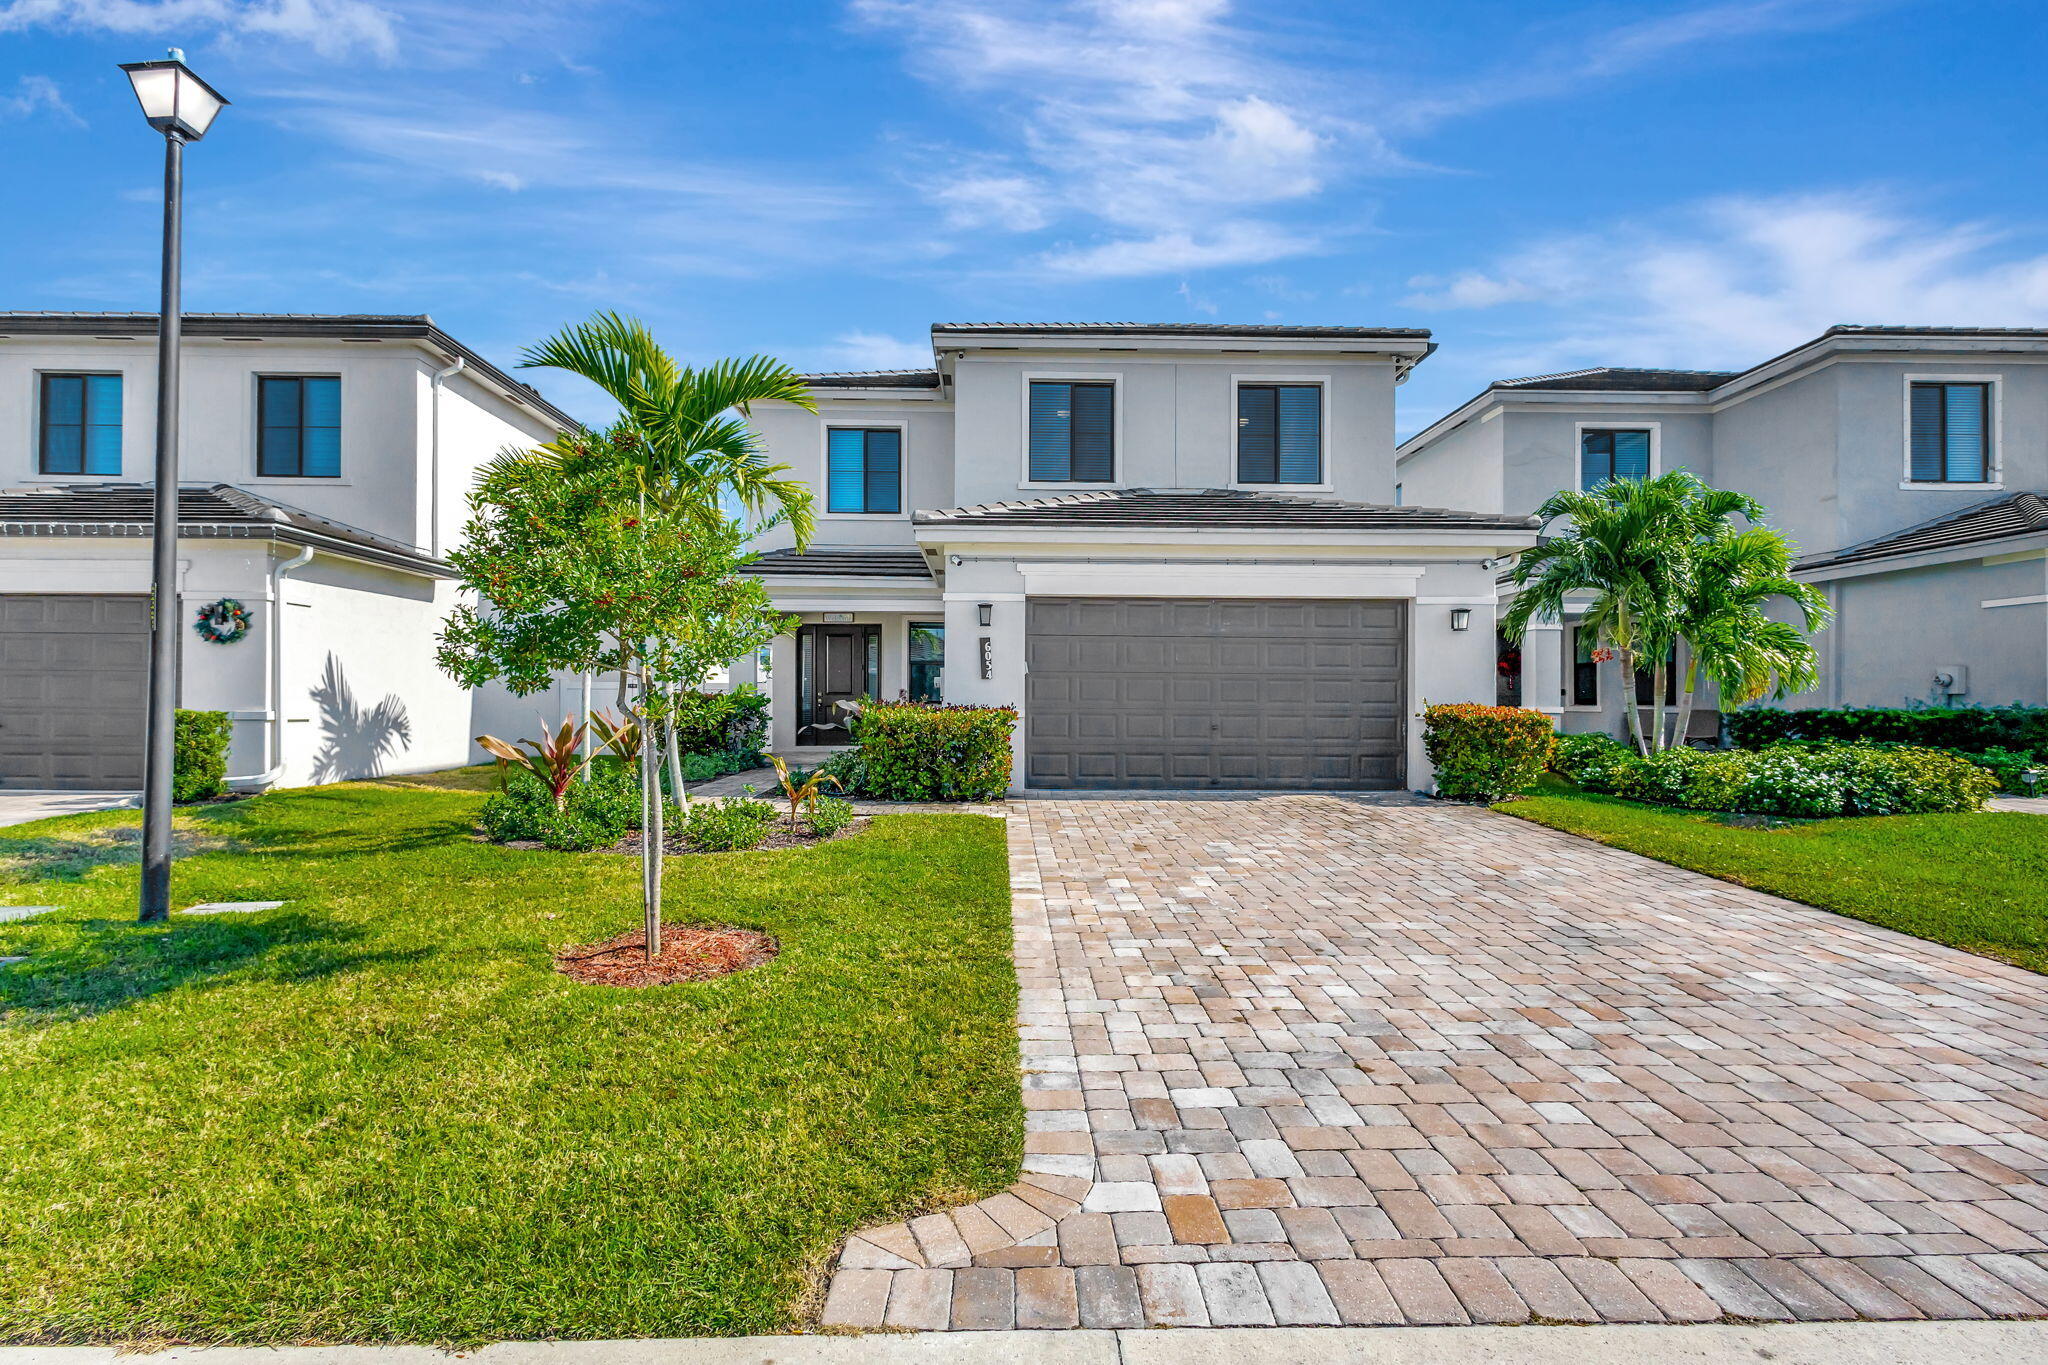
1227	693
74	676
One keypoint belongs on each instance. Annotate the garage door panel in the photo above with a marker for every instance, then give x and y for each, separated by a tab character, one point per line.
74	673
1242	693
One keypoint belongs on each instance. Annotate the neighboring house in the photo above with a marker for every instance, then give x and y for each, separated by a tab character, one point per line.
1909	464
326	462
1173	548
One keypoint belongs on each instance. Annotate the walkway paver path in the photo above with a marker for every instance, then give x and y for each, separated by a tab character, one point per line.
1299	1060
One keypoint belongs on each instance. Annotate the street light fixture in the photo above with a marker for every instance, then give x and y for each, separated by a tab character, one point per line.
181	107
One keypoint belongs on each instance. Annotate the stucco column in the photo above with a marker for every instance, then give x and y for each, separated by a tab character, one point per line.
1543	668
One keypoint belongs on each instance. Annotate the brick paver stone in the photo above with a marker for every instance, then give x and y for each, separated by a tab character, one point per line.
1311	1059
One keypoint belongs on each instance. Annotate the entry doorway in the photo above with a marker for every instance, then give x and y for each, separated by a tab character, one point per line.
834	664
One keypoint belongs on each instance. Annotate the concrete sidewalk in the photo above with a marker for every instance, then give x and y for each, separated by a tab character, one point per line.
1851	1343
20	807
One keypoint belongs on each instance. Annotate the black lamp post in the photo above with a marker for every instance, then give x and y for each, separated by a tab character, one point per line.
181	107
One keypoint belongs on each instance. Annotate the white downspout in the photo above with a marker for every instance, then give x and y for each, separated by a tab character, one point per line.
434	458
273	679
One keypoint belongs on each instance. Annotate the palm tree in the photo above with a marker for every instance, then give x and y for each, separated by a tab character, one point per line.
1627	548
1732	642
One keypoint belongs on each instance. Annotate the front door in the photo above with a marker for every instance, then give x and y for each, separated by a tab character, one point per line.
833	664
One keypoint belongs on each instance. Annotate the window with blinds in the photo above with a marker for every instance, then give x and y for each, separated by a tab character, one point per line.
1609	455
298	427
81	424
1073	432
1280	433
1950	441
864	469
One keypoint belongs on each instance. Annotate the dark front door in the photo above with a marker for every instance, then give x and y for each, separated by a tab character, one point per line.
833	664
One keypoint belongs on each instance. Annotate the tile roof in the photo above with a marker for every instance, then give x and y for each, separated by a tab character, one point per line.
266	326
221	511
1620	379
1178	329
2002	518
842	561
1215	509
873	379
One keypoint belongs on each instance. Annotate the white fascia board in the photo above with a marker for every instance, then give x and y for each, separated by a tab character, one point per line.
1496	400
1365	348
800	601
892	586
2015	547
1198	539
1097	578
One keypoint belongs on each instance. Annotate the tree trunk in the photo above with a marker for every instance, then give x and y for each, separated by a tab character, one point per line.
1632	713
1683	726
1658	678
675	759
650	827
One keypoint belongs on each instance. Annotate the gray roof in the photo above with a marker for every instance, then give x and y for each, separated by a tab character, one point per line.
221	511
2002	518
265	326
1213	509
874	379
1617	379
1183	329
842	561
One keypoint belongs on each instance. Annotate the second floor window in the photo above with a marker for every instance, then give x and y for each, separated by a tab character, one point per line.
81	424
1951	436
863	469
1280	433
1073	432
298	428
1605	455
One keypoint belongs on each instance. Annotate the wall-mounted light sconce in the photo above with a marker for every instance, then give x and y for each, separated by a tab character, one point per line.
1461	618
987	611
955	560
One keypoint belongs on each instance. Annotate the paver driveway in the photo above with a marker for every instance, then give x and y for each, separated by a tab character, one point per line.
1302	1059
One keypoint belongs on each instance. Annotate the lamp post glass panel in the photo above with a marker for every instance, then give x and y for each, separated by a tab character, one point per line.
181	107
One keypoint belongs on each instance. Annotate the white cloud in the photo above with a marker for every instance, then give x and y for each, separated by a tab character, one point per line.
37	95
1733	280
1231	243
330	27
874	351
1468	289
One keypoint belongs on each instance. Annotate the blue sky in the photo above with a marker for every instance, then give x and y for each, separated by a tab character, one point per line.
1548	185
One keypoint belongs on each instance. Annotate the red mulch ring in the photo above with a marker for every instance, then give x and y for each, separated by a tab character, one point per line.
689	952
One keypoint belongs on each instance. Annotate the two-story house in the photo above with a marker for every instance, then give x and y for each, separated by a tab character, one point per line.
1909	463
325	467
1174	548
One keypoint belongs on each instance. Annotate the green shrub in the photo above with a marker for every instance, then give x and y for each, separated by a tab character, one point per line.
733	722
1483	753
1972	729
2010	768
848	768
595	814
199	745
919	751
828	815
1804	781
1910	781
705	767
1593	761
734	823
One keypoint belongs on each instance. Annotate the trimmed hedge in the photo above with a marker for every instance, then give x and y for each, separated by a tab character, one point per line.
1970	728
1796	780
1483	753
923	751
199	766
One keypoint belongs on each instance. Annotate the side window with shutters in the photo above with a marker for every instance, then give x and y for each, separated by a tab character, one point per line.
1950	437
1072	436
864	470
1280	433
1606	455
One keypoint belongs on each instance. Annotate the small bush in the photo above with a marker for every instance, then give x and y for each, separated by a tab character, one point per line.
733	722
199	747
828	815
919	751
1593	761
1483	753
1972	729
705	767
848	768
2010	768
595	814
734	823
1803	781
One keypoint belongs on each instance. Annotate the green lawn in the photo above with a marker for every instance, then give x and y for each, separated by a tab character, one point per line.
378	1114
1970	881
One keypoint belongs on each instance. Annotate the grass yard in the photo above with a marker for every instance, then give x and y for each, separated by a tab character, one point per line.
1970	881
379	1114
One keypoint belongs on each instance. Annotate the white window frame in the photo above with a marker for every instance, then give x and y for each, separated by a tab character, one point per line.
255	430
852	423
1116	428
1322	382
1579	430
1994	464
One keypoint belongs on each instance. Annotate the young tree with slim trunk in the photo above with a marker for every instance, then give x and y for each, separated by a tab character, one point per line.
1730	639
